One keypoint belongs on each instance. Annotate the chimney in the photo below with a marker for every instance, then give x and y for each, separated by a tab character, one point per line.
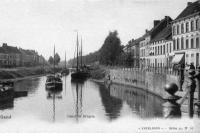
156	22
189	3
4	44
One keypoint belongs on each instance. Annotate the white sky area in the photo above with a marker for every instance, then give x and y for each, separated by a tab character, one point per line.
39	24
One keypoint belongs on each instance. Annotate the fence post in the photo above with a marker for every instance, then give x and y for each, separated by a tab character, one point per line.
192	86
197	76
171	108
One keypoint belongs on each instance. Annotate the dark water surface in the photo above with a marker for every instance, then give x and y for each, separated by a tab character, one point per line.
79	102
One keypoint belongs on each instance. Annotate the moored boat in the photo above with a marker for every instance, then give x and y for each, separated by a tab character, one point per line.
6	91
53	83
80	72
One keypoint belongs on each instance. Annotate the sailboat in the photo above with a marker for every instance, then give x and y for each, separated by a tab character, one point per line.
53	82
65	71
81	73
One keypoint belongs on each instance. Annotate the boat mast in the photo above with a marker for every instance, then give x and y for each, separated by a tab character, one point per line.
54	60
65	60
81	54
77	53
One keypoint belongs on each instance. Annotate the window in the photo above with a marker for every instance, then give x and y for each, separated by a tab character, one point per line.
197	42
192	43
167	48
187	27
155	50
170	48
177	44
161	50
177	29
197	24
186	45
182	28
174	44
192	25
182	43
158	50
174	30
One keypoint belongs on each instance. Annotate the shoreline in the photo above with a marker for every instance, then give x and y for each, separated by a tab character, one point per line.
97	80
22	78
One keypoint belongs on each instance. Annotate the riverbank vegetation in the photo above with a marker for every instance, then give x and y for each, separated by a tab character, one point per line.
21	72
99	72
110	53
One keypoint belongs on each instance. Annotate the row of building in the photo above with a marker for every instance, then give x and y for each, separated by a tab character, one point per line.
169	41
16	57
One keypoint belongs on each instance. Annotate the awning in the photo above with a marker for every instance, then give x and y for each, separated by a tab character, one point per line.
178	58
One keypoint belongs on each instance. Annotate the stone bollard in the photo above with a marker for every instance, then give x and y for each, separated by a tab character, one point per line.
197	76
192	86
171	108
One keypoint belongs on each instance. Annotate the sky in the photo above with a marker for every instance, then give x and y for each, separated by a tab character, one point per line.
41	24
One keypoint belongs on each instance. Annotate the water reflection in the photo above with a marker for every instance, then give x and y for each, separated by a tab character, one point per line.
7	98
79	99
141	102
30	85
53	95
77	90
111	104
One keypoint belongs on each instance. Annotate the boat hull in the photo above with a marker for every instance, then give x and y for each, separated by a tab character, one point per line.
54	86
79	75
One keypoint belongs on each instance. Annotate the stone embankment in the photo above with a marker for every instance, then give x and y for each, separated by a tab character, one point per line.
147	80
152	82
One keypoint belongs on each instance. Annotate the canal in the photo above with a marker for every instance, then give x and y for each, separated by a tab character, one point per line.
79	102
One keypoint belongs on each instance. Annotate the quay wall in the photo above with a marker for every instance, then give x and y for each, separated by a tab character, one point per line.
146	80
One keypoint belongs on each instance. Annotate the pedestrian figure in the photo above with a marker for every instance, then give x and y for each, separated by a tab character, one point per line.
181	75
192	66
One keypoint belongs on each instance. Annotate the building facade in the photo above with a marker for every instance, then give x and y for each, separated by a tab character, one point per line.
186	33
154	46
16	57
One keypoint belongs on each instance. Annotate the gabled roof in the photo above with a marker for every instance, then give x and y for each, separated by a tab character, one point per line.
9	49
190	9
159	27
165	34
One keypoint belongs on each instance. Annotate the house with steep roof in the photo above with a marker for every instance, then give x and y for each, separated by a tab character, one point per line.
160	54
186	35
29	57
153	46
14	57
9	56
133	49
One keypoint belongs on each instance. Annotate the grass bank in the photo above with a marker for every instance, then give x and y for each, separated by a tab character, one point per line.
99	73
22	72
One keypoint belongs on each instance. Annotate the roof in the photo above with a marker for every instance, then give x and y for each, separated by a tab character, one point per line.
189	10
9	49
165	34
159	27
28	52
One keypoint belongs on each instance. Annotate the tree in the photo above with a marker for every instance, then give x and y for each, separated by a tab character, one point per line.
111	49
57	59
50	60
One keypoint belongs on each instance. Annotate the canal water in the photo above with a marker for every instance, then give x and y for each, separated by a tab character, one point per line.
79	102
